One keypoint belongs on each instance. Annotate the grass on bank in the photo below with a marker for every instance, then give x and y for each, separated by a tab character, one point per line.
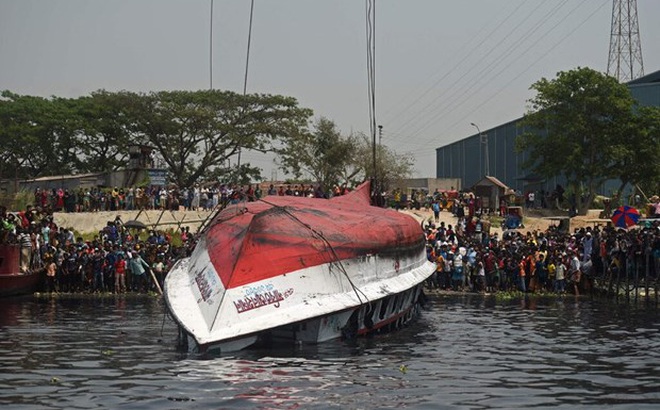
142	236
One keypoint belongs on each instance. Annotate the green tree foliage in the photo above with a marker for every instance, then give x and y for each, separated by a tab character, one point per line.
38	136
195	132
581	126
322	154
637	162
104	130
391	167
16	133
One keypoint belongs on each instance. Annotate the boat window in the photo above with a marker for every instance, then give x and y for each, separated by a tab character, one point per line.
383	307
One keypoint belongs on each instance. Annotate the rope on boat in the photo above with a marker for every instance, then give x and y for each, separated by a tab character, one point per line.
211	216
337	260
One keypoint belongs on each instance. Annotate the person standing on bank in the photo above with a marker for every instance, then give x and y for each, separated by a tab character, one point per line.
138	268
574	272
560	276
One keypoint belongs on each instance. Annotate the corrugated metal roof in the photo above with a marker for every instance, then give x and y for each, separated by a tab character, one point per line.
62	177
493	181
648	78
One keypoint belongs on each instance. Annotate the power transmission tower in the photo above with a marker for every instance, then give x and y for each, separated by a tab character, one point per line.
625	60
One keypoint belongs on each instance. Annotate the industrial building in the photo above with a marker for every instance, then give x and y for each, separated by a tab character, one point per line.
492	152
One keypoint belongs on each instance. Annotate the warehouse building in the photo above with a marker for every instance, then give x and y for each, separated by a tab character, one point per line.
492	152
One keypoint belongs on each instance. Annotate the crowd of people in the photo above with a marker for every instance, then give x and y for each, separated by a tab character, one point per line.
196	197
469	257
117	259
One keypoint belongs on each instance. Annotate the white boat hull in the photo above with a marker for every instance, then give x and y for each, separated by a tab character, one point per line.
330	327
311	305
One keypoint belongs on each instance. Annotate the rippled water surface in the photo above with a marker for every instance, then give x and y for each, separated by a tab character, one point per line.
465	351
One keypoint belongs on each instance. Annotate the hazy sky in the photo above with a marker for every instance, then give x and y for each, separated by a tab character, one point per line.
440	65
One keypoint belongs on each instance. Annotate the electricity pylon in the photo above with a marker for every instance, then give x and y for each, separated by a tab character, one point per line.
625	59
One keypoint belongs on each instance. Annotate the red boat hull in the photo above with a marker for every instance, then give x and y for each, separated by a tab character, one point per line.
12	281
261	240
12	285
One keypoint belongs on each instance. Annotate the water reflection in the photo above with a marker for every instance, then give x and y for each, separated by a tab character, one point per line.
466	351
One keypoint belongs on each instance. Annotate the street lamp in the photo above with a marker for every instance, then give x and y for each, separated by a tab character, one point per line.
483	139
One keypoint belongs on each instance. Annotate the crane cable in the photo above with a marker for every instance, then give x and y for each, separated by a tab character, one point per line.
371	84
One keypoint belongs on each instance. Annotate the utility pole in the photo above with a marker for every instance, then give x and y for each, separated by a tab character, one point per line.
483	140
379	161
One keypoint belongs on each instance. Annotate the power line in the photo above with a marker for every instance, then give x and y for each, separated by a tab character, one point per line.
449	103
249	42
466	97
448	72
466	94
457	84
505	86
561	40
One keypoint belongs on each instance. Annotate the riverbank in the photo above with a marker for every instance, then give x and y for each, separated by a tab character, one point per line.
534	219
92	222
95	295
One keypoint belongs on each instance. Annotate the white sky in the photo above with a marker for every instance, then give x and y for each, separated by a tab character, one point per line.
440	64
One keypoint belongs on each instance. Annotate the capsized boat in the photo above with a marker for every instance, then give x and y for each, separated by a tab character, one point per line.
298	269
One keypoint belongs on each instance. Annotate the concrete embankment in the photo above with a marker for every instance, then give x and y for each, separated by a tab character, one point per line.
91	222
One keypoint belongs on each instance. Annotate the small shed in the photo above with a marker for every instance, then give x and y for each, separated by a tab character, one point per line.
490	190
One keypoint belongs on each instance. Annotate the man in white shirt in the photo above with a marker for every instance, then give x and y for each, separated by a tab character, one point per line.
560	277
574	272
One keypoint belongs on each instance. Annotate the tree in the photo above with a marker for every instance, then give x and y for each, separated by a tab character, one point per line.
38	135
322	154
637	161
104	130
14	134
581	124
195	132
332	160
391	167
